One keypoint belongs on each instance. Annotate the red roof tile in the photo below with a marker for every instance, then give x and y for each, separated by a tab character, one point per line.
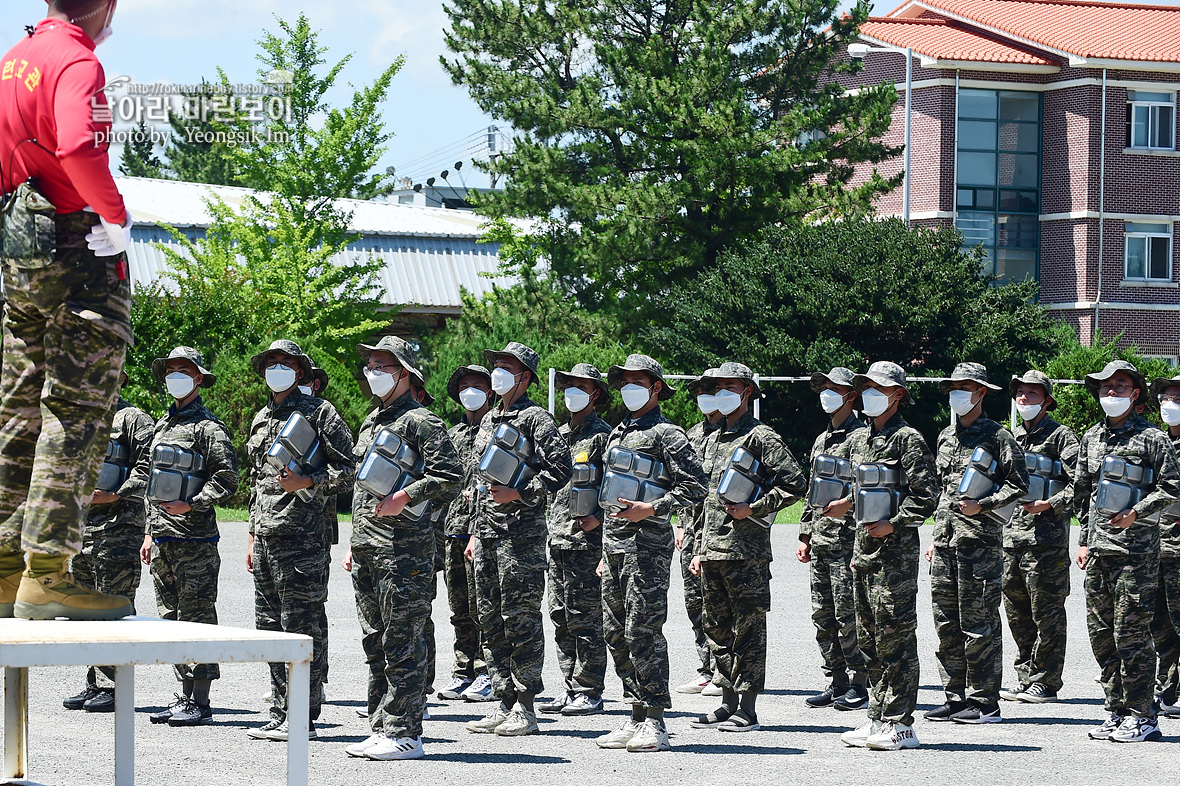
945	39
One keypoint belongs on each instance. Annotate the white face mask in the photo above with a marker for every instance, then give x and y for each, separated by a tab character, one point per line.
707	404
576	399
1170	412
1114	406
503	380
1028	412
728	401
280	377
830	400
472	399
305	390
874	402
107	31
962	401
635	397
380	382
179	385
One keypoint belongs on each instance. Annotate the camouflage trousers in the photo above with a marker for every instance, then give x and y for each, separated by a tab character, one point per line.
965	592
65	333
393	604
109	562
695	606
185	576
1120	601
290	593
1165	630
1035	586
634	610
833	610
887	623
509	586
459	577
575	608
736	596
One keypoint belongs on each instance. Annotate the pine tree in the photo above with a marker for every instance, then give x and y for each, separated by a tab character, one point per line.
139	154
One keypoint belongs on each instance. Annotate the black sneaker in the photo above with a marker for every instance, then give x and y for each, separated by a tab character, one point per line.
191	714
857	698
165	714
1038	694
77	701
978	713
1013	694
945	712
556	705
103	702
828	697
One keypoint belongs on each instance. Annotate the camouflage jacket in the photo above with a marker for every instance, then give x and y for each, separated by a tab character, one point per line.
1050	528
1137	439
691	519
277	512
897	444
825	532
723	537
132	428
461	510
427	434
956	443
524	517
663	440
199	430
564	532
1170	517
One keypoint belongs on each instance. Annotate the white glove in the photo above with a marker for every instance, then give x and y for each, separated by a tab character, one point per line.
107	239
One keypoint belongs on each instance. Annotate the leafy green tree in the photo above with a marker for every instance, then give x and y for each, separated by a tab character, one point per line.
193	151
652	134
139	154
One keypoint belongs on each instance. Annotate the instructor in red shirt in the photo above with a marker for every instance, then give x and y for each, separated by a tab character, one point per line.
66	324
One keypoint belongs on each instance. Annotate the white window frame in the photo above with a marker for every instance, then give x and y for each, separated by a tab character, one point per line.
1152	126
1130	234
1171	360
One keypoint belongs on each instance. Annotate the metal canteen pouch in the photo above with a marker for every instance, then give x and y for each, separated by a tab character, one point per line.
979	482
176	474
508	459
584	487
878	492
298	450
831	479
1046	477
743	481
116	467
390	465
1122	486
634	476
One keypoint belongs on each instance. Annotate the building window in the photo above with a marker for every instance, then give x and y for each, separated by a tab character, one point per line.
1148	251
1151	120
998	174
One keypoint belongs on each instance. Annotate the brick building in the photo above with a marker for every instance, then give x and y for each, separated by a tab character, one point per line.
1046	131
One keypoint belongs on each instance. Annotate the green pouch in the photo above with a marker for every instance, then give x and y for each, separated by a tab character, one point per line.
29	229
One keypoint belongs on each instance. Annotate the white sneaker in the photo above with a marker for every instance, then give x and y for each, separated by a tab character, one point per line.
401	748
480	690
425	713
651	736
454	689
695	685
893	737
859	736
1136	729
519	723
357	750
712	689
488	723
620	737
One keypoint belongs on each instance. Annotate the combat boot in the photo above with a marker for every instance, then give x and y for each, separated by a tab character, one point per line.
8	588
58	595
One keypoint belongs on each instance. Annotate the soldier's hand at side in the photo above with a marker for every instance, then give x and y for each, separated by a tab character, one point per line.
739	512
970	507
469	552
879	529
145	551
680	538
838	508
104	498
1035	508
803	553
1083	556
393	505
589	523
598	570
1124	519
502	495
293	481
250	555
635	511
177	507
694	567
346	563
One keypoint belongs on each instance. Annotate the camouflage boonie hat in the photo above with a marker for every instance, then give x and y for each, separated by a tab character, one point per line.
885	374
422	395
968	372
1034	377
1160	384
1113	367
400	349
192	356
458	374
695	386
259	364
732	370
645	364
837	376
321	376
584	371
526	355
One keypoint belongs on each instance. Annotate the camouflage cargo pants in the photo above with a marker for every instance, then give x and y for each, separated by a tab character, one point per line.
635	608
1036	585
695	606
833	610
887	623
290	590
575	608
393	604
109	562
1165	630
509	586
459	577
965	592
736	596
65	333
185	576
1120	600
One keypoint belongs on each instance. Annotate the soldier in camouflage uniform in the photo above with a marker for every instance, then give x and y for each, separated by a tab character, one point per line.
423	397
471	388
392	556
1120	551
575	548
732	548
1036	549
1165	623
637	555
182	536
109	560
288	551
689	520
331	528
967	558
885	560
509	548
825	543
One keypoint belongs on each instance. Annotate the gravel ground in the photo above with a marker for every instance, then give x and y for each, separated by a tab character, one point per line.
1035	744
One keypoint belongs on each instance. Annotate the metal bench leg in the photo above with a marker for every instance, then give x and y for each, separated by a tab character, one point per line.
124	725
298	687
16	723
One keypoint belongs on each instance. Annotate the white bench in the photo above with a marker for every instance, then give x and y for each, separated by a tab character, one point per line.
138	641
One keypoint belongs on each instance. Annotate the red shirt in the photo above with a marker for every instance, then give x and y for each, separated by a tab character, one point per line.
48	86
